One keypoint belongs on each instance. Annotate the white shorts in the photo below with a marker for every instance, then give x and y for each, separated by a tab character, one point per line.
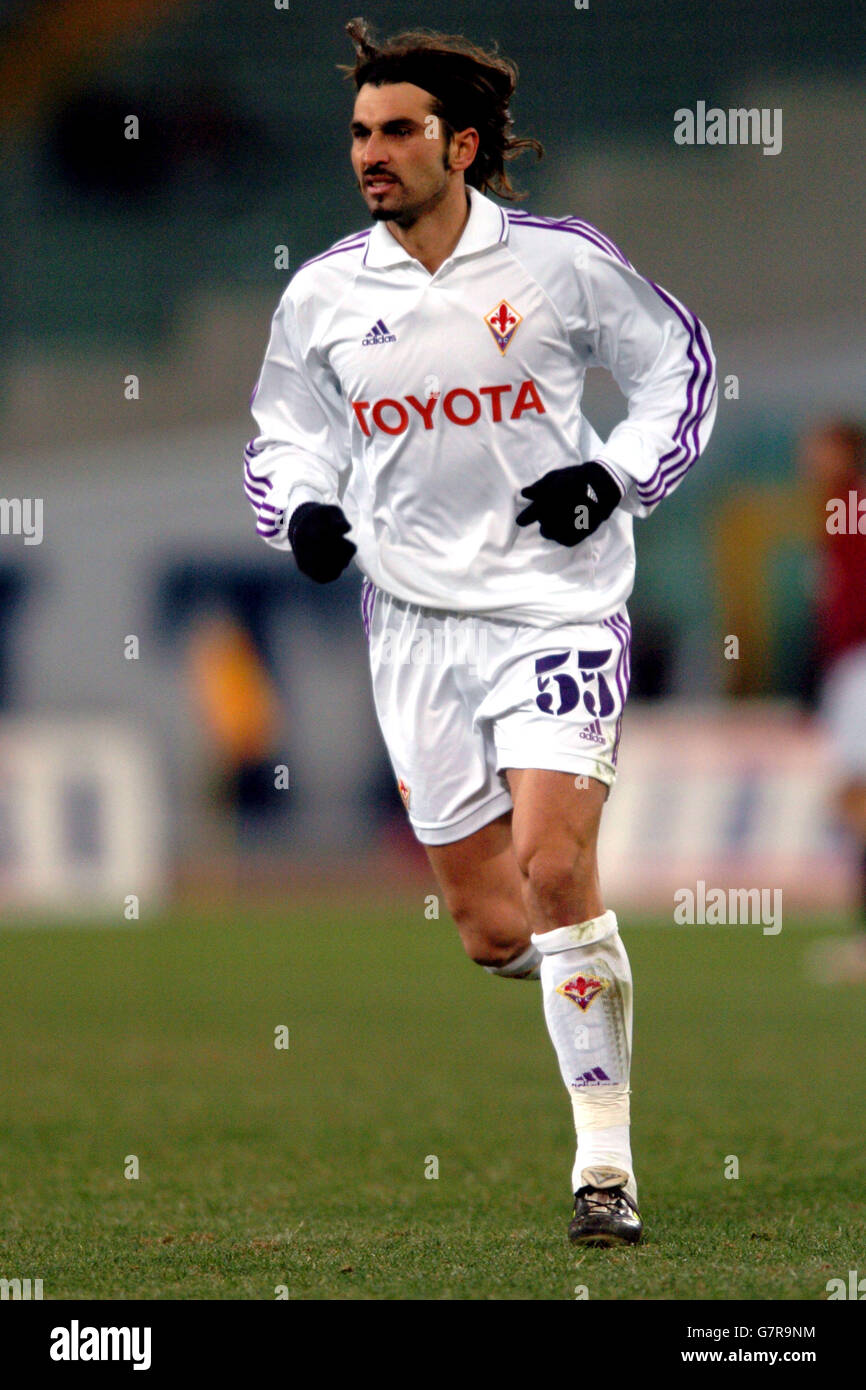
460	698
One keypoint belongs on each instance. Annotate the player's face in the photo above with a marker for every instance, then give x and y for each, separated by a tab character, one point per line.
402	172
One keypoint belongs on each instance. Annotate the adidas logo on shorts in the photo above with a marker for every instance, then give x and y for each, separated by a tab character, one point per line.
593	732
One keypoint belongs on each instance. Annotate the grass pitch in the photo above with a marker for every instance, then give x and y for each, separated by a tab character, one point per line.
303	1169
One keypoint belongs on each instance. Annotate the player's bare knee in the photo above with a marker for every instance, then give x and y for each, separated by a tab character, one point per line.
554	873
574	846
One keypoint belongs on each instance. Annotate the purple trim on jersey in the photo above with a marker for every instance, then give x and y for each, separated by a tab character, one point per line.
254	496
672	475
367	250
256	493
596	241
368	599
252	451
268	525
686	435
576	227
269	519
255	487
352	243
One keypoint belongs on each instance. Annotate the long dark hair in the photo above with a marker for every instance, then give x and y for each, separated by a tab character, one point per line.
469	85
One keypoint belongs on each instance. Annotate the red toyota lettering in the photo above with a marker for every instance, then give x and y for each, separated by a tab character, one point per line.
358	406
527	399
392	405
495	393
425	411
448	406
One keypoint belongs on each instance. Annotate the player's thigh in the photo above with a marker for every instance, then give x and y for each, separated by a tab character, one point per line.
556	815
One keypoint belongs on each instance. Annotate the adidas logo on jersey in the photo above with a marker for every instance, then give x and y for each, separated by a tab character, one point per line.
593	732
378	334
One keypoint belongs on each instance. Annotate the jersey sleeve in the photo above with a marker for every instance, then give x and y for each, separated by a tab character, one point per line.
302	451
661	358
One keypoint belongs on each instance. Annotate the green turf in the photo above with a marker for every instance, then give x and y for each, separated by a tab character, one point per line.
305	1168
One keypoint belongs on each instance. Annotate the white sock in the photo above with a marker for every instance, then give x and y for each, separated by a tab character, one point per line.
587	989
527	966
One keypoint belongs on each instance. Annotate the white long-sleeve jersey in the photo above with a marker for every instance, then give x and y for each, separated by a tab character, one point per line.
422	404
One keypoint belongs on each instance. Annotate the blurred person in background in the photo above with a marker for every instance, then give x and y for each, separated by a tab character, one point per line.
832	459
237	711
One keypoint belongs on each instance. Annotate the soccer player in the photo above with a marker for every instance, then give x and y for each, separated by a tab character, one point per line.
419	410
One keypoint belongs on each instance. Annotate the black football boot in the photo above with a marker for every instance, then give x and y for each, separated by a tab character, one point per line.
604	1216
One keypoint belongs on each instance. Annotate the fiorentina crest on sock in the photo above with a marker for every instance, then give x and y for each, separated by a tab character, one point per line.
582	989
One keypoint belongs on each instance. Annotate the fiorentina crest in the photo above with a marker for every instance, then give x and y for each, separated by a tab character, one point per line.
503	322
582	989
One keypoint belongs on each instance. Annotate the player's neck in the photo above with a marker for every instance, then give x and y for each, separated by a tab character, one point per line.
436	233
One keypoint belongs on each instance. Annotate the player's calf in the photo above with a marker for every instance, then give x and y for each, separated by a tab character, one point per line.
495	935
482	886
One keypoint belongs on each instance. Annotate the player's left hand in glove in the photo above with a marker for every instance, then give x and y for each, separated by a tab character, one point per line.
570	503
317	535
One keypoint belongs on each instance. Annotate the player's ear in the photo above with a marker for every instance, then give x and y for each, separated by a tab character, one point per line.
464	148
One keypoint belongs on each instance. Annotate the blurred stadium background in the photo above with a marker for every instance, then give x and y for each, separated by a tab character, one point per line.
158	662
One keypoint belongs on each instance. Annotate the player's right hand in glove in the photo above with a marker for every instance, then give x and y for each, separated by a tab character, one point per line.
317	535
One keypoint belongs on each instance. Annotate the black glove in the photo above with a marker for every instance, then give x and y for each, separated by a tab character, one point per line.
317	535
571	503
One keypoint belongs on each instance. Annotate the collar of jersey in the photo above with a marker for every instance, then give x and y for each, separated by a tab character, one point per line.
486	226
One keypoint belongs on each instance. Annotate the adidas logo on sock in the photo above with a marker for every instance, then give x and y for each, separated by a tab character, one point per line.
590	1078
378	334
593	732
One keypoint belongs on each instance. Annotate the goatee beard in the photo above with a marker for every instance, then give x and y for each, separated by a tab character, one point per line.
402	216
